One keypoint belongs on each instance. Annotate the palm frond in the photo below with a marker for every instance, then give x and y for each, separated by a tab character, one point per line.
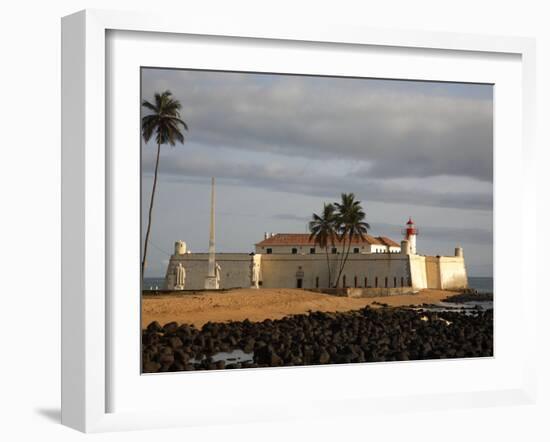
164	120
149	106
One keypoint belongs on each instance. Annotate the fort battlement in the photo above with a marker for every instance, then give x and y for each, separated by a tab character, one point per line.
374	270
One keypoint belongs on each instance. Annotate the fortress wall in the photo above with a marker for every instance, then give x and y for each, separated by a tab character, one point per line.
284	271
391	270
305	250
418	271
433	272
280	271
235	270
453	272
374	292
279	249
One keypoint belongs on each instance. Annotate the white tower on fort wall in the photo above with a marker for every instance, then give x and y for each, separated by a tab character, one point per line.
410	235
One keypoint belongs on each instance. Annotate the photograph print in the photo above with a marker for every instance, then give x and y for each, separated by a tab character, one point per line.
299	220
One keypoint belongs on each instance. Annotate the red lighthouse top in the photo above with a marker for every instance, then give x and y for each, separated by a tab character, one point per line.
411	229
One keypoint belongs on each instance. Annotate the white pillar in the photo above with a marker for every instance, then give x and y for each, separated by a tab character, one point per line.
211	282
212	240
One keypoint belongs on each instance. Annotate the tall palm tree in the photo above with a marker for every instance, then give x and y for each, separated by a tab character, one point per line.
351	224
164	122
323	231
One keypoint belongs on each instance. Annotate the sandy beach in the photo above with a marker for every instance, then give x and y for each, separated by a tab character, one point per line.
257	305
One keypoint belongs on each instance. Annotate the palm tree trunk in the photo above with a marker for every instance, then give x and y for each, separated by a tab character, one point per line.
328	266
345	259
150	213
345	255
340	266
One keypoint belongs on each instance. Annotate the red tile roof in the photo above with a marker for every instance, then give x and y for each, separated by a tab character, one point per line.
389	242
302	239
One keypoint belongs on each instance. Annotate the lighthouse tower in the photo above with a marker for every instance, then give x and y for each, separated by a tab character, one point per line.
410	235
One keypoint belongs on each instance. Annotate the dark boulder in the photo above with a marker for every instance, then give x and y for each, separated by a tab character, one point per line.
154	327
175	342
324	357
171	327
151	367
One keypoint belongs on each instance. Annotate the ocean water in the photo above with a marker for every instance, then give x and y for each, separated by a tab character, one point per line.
235	356
482	284
153	283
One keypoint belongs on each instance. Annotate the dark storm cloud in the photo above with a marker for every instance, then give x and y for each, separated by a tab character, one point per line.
400	131
452	235
285	175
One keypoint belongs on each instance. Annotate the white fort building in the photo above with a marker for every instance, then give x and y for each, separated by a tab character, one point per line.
376	265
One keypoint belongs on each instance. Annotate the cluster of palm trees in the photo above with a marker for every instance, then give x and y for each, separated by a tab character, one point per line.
165	123
339	222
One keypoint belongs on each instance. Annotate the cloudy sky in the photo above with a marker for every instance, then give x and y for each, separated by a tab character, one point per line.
281	145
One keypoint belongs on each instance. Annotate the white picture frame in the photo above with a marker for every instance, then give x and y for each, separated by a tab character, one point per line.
87	208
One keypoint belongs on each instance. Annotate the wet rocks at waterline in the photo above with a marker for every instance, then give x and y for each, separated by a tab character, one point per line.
366	335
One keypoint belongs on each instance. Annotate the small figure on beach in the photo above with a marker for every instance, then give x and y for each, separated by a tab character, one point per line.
180	277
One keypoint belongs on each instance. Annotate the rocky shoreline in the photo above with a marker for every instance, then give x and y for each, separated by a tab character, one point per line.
469	297
365	335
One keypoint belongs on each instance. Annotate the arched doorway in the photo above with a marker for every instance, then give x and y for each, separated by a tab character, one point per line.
299	278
